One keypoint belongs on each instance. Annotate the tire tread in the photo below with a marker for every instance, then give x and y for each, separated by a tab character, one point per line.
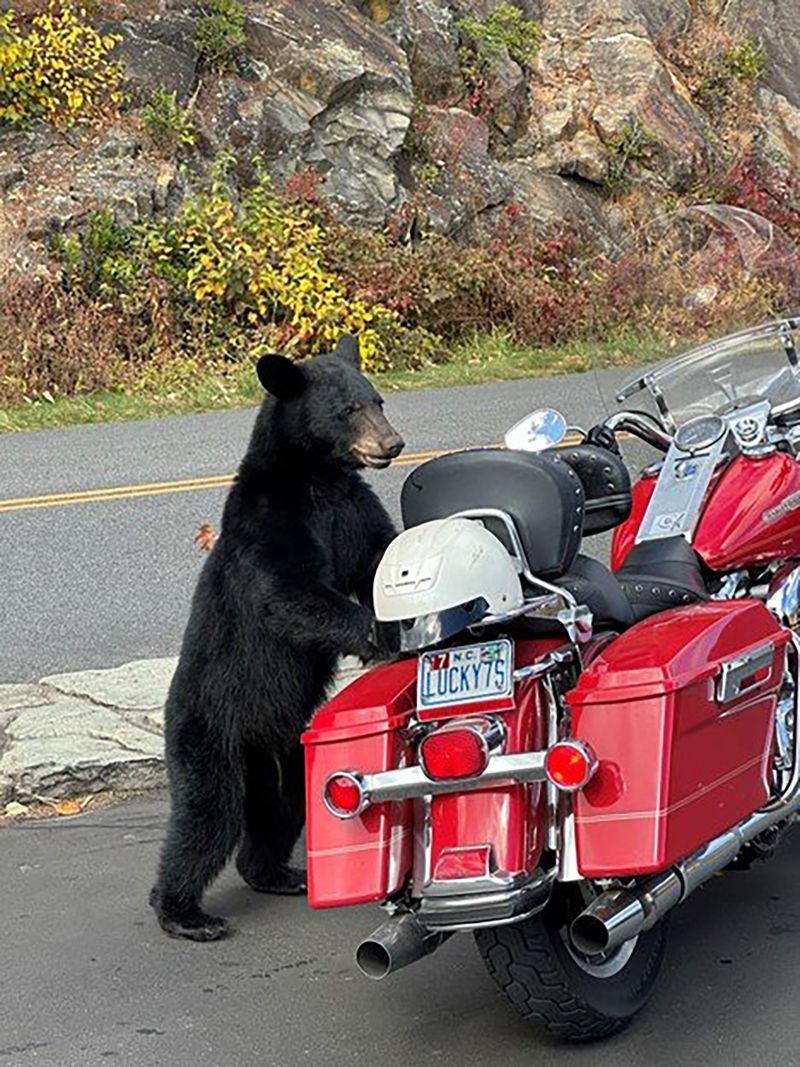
534	983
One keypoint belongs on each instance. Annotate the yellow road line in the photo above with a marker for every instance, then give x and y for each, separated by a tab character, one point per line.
145	489
109	494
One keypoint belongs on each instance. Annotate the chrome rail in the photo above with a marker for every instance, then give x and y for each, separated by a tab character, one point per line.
407	783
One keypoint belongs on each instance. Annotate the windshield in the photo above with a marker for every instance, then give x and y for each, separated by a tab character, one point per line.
723	268
760	363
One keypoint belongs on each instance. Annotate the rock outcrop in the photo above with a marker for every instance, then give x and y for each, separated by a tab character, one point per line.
371	94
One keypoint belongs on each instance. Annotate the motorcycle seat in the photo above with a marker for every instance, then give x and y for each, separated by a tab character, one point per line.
656	575
662	574
593	584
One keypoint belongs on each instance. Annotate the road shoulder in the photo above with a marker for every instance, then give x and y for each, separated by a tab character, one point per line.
90	732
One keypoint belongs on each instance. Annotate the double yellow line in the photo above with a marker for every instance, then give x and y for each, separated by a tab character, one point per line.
182	485
146	489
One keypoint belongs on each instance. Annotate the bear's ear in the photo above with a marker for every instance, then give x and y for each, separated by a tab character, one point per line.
280	377
349	349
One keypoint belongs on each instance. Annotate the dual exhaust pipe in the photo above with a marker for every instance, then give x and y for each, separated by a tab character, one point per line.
613	918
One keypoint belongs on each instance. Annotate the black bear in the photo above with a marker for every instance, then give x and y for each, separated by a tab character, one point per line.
286	590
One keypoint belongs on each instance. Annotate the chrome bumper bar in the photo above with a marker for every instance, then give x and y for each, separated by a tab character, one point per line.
476	902
409	782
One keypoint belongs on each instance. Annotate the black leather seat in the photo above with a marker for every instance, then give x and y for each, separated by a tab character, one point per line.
593	584
541	494
662	574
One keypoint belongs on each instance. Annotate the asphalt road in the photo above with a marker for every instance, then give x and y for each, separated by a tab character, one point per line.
87	979
94	582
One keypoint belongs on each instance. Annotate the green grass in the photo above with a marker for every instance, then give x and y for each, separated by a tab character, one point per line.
485	359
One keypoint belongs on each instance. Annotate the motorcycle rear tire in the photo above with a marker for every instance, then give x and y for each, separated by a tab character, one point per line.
539	974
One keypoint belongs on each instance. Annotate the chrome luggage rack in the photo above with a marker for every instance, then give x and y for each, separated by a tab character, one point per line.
555	604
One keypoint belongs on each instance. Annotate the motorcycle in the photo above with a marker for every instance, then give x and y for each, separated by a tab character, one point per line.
564	752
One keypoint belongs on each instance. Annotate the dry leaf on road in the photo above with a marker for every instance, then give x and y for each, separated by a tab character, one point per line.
14	810
68	807
206	537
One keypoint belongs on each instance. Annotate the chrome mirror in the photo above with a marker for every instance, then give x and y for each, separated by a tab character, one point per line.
537	431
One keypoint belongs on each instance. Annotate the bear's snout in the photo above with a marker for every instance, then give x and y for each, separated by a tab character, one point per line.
378	443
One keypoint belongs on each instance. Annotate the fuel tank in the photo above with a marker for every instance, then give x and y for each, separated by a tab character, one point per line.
751	514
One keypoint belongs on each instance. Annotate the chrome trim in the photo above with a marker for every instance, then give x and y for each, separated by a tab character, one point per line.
793	784
408	782
490	731
784	601
356	779
520	897
675	507
551	793
568	870
735	673
591	763
733	585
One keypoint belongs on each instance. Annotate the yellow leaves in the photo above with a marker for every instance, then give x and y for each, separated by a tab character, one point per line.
58	70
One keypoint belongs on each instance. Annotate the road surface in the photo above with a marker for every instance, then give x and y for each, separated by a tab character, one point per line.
97	522
101	571
87	979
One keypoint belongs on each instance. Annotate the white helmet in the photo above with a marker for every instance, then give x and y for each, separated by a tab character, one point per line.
442	576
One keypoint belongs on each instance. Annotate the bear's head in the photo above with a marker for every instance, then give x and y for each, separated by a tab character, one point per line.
326	408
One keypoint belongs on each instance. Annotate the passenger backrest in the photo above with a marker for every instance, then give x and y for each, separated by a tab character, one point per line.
541	493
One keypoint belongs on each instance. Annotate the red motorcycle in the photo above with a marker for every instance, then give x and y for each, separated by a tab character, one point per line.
564	754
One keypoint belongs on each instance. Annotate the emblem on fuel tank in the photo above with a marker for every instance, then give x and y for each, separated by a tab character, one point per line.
791	502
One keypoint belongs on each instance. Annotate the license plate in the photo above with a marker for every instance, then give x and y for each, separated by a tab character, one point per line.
465	675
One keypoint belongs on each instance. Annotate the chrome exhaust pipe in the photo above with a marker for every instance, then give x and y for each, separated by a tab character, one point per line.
396	943
620	914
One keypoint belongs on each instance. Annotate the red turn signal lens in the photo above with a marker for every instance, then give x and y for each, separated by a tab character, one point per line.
569	765
344	795
454	752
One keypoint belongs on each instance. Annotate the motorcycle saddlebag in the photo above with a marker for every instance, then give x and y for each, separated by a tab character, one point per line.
680	713
363	728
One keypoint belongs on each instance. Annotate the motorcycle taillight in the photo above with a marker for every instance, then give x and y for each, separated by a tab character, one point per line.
569	765
459	749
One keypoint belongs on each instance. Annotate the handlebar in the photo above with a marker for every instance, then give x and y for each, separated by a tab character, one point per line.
641	425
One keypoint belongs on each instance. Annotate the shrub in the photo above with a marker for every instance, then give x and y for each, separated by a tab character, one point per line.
766	188
741	62
168	125
58	70
239	275
629	145
505	29
220	36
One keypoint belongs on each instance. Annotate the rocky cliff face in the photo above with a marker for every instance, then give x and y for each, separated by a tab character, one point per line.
400	112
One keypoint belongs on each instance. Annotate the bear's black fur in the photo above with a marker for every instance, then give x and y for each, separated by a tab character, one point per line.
301	536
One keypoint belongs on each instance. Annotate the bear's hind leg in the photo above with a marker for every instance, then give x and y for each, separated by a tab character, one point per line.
204	829
274	819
